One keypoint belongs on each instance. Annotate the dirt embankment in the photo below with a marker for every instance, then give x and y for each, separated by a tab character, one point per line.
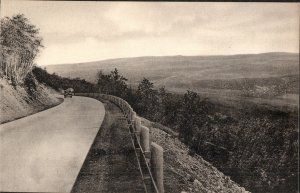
186	172
20	101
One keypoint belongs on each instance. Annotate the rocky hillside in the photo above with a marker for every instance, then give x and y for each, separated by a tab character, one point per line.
186	171
23	100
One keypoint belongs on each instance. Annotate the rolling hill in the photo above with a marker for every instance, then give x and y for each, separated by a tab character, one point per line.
165	69
265	75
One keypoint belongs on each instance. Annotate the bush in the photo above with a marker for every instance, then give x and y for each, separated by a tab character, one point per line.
30	84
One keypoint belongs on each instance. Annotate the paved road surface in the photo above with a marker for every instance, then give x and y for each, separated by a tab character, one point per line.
45	151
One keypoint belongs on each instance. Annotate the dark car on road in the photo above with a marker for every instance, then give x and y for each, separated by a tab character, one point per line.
69	92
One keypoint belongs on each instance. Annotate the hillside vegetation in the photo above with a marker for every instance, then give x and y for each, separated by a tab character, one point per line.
186	171
20	43
21	93
18	101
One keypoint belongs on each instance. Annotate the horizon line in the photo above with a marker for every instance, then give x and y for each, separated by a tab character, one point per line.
207	55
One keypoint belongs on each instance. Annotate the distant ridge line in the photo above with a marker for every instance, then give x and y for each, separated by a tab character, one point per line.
173	56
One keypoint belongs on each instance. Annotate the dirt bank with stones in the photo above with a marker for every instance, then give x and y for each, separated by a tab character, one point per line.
185	172
18	101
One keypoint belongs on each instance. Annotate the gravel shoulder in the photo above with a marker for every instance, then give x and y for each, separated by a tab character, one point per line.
110	165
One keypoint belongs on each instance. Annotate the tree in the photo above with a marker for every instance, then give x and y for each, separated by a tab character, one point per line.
119	86
103	82
113	83
56	82
20	43
171	110
147	98
194	114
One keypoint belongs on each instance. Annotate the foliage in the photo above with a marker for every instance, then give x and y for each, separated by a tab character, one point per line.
113	83
58	83
20	43
103	82
192	114
147	99
30	84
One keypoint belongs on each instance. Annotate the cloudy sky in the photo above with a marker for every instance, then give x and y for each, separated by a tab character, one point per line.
89	31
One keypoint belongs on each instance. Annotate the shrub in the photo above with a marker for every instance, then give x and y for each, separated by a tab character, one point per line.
30	84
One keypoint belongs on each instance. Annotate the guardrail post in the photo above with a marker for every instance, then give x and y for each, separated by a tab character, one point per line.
137	130
156	164
137	124
145	141
132	120
133	115
130	112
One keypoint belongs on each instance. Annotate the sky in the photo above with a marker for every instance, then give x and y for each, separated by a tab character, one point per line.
78	31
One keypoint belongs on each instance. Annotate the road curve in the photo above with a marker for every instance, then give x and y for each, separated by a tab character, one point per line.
45	151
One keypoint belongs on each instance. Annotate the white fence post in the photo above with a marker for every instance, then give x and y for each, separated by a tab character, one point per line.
157	167
145	141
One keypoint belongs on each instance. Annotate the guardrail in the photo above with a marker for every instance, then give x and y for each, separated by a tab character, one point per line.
149	155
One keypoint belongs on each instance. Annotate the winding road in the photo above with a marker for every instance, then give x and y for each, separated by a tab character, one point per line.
45	151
